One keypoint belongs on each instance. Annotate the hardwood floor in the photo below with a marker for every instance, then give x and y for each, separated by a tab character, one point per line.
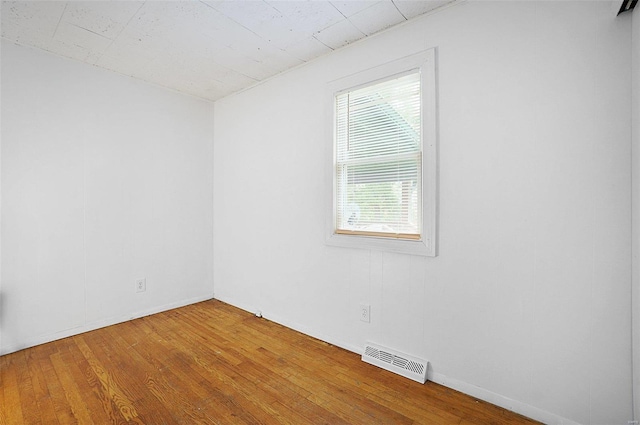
211	363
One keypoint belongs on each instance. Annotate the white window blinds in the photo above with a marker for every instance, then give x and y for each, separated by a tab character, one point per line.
379	159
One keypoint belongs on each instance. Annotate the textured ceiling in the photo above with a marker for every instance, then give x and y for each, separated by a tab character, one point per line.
207	49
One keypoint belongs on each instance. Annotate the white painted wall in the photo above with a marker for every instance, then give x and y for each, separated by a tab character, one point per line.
1	299
636	207
527	304
104	180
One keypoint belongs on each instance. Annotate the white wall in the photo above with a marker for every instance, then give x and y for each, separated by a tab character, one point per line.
104	180
527	304
1	308
636	207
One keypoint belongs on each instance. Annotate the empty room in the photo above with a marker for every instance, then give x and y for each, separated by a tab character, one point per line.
320	212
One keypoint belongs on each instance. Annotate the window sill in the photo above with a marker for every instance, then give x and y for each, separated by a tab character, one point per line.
413	247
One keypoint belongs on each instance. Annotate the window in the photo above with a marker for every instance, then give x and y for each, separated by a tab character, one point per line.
379	159
383	157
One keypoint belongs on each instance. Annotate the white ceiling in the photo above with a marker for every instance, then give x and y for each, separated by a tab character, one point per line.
207	49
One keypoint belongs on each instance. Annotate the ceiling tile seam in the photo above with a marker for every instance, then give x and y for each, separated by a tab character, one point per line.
365	35
124	27
320	41
236	22
254	33
339	11
346	18
88	30
321	29
398	9
407	21
60	20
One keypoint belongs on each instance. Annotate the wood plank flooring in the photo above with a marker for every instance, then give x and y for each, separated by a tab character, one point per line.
211	363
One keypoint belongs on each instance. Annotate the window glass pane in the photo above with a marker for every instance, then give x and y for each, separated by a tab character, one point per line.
378	158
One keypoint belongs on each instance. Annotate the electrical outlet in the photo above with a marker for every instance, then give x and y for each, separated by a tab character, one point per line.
141	285
365	313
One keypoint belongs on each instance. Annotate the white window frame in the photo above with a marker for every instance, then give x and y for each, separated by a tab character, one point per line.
427	246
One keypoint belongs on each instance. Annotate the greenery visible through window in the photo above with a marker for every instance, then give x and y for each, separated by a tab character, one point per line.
378	171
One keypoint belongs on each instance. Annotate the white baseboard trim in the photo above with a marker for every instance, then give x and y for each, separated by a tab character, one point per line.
100	324
464	387
500	400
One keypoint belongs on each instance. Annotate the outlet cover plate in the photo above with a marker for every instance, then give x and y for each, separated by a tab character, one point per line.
365	313
141	285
